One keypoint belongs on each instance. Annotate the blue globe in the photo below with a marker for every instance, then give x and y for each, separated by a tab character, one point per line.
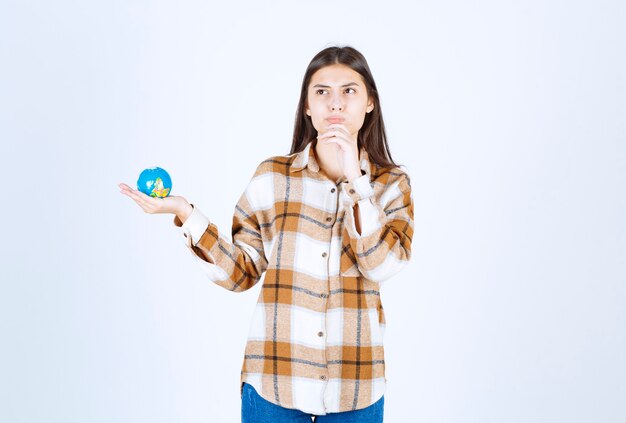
155	182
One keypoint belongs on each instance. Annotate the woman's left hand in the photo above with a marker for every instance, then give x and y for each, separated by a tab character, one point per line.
347	153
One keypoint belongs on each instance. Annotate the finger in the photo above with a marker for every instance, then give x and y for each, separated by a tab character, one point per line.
128	192
339	127
139	197
341	143
328	134
332	128
147	202
339	134
125	189
135	193
136	199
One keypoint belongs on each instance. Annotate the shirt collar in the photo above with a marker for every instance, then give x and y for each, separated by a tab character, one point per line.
306	158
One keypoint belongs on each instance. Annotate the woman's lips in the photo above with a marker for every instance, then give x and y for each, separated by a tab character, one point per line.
335	120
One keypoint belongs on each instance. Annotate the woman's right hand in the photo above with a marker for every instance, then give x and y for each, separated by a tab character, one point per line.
171	204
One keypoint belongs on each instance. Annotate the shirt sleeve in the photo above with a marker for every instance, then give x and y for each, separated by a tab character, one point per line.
383	247
237	265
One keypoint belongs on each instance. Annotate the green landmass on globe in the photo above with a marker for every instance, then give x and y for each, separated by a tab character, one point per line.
159	190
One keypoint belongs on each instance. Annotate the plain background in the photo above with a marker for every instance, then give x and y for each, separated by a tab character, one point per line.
510	117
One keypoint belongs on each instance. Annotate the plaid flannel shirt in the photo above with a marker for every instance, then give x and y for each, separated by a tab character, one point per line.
316	338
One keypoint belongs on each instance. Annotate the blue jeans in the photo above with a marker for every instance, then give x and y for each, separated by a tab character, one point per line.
256	409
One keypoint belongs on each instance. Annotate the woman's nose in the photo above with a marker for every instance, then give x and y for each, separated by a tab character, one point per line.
336	104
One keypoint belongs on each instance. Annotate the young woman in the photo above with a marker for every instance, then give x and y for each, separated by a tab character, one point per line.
326	224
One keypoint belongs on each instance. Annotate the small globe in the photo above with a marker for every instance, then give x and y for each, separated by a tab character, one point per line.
155	182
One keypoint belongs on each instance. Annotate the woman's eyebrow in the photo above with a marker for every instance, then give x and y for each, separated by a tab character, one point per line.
343	86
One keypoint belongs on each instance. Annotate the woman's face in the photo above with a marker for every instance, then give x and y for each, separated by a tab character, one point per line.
337	94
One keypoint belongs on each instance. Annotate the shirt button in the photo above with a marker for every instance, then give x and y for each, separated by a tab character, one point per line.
324	254
351	191
320	334
332	190
323	377
328	219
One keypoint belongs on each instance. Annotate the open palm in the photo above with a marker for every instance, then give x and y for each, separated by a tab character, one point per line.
170	204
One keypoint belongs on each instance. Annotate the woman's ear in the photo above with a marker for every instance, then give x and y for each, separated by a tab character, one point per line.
370	105
308	112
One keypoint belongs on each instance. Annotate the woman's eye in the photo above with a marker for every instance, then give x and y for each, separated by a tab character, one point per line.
320	91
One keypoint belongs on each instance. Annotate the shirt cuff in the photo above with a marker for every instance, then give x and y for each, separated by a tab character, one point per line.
359	188
194	227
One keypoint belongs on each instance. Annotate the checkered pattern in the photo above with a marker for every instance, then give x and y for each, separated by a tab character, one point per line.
316	337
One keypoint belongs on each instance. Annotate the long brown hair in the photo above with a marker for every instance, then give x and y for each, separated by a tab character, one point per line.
372	134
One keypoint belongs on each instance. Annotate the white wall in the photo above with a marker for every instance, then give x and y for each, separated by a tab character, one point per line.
509	115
